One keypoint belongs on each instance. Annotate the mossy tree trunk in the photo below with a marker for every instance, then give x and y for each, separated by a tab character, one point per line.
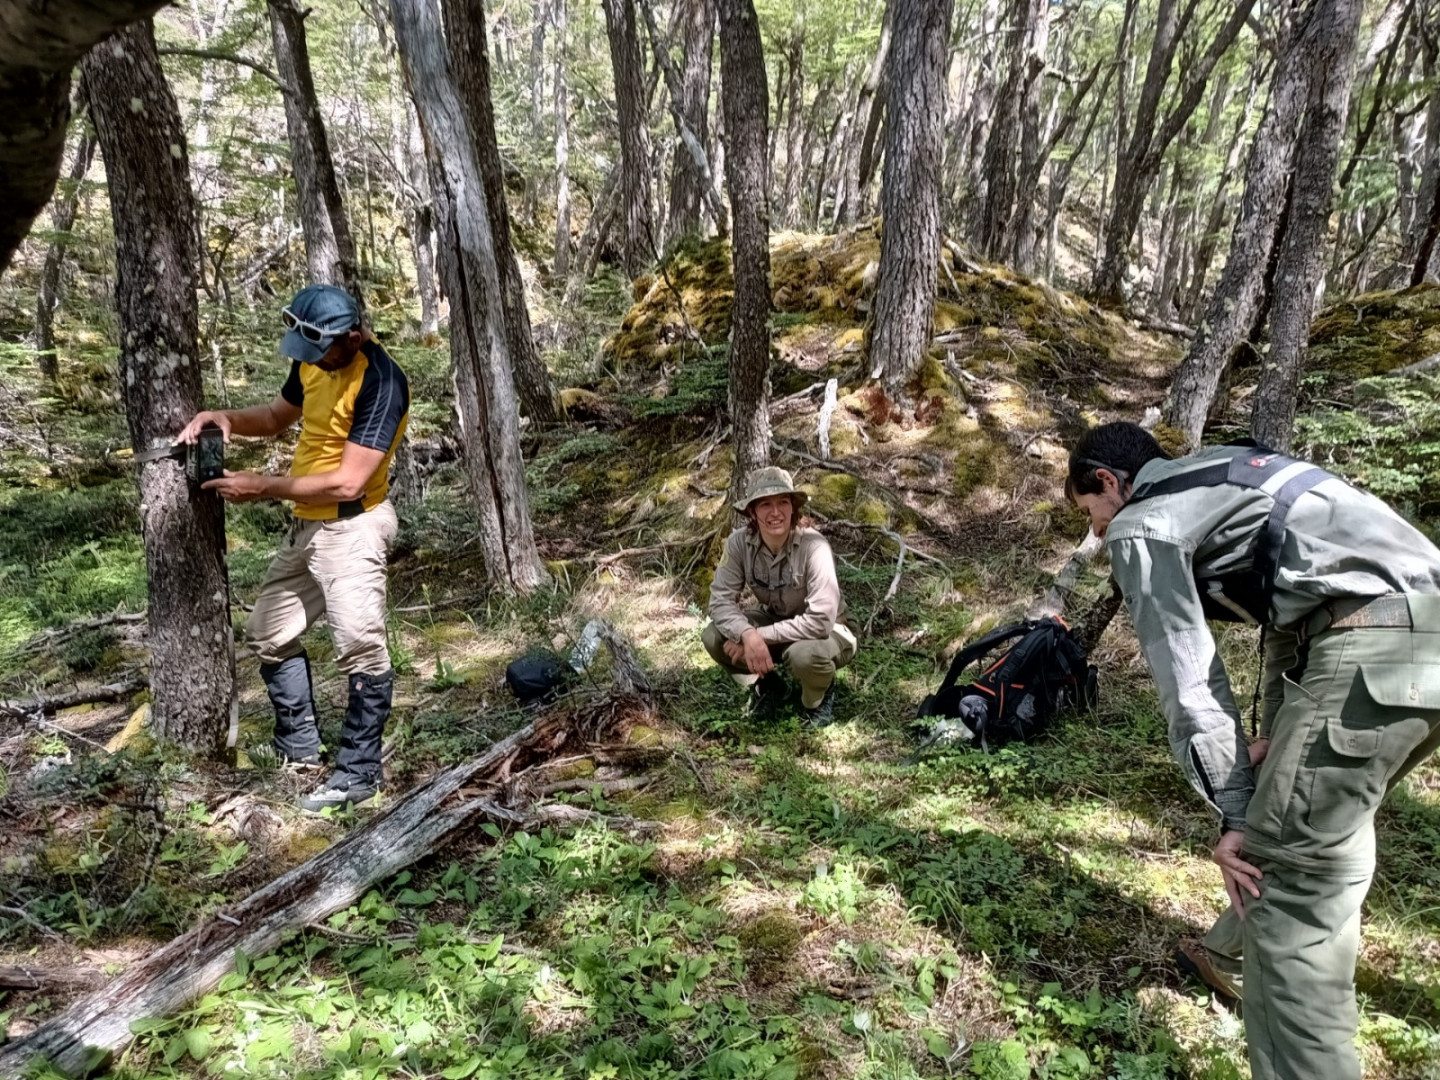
329	245
910	195
1301	267
470	57
744	97
192	666
47	296
630	108
486	406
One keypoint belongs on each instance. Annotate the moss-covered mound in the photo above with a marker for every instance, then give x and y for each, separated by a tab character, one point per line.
823	287
1375	333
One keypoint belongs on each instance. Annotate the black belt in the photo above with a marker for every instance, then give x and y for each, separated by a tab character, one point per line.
1351	613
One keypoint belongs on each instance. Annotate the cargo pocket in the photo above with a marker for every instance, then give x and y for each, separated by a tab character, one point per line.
1390	711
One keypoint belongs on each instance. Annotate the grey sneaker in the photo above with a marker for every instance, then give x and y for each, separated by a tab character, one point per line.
340	798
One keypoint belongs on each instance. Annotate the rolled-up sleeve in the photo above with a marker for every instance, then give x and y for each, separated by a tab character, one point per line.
726	588
1206	733
822	601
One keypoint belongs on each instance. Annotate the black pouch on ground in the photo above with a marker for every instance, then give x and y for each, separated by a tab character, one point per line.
1029	672
537	677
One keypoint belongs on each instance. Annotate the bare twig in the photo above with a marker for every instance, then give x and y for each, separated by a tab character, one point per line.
22	914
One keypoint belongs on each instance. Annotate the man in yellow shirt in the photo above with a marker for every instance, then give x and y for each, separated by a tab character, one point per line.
353	402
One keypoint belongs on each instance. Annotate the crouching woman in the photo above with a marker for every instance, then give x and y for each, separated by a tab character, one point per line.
798	616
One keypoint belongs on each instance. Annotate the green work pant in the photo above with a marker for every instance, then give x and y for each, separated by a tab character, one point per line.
813	663
1363	713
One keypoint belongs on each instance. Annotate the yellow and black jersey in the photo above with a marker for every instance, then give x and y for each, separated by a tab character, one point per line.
366	402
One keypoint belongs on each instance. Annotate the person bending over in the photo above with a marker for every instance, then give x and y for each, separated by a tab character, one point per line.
798	616
353	403
1349	595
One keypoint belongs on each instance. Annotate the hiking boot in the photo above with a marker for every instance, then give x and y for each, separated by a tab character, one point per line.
1194	959
822	715
338	797
770	693
297	738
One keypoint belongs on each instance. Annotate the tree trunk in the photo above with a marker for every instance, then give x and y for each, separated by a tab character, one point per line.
1021	226
329	247
422	225
469	53
795	142
1144	152
1301	268
1240	294
537	64
745	100
1219	208
47	296
630	108
192	665
479	345
863	124
688	182
900	330
562	146
981	112
990	224
40	45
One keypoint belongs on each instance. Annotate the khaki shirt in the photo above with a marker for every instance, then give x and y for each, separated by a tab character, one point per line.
1339	542
797	591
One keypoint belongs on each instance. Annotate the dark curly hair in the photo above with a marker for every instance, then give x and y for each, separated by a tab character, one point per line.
1122	448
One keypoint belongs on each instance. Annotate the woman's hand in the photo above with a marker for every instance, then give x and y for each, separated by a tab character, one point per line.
757	654
1258	749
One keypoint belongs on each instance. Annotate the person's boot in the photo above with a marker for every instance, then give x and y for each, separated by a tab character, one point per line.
356	779
822	715
296	738
770	693
1193	958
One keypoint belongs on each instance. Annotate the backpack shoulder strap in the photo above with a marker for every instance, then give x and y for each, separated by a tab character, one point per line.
976	649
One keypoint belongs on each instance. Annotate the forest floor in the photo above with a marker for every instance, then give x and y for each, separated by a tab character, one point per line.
809	906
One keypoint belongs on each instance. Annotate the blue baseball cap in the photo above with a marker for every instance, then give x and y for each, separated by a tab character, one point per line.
314	319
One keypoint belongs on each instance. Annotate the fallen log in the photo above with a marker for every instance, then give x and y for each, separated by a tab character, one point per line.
93	1029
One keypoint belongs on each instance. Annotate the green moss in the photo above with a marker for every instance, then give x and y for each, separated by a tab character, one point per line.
769	943
834	491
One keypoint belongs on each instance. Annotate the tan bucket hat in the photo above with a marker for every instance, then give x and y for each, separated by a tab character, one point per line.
771	480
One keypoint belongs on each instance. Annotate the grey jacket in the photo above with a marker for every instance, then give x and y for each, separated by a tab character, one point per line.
1339	542
797	590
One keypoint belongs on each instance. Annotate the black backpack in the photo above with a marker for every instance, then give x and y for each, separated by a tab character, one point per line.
1035	669
537	678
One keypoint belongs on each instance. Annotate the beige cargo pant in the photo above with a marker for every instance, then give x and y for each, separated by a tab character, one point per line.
813	663
330	568
1364	713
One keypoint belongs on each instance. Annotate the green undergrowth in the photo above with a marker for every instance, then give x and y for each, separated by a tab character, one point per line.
805	905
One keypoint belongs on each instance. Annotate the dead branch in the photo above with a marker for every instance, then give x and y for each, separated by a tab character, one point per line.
49	638
25	916
822	426
47	978
590	783
1417	368
1065	581
116	691
1091	624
